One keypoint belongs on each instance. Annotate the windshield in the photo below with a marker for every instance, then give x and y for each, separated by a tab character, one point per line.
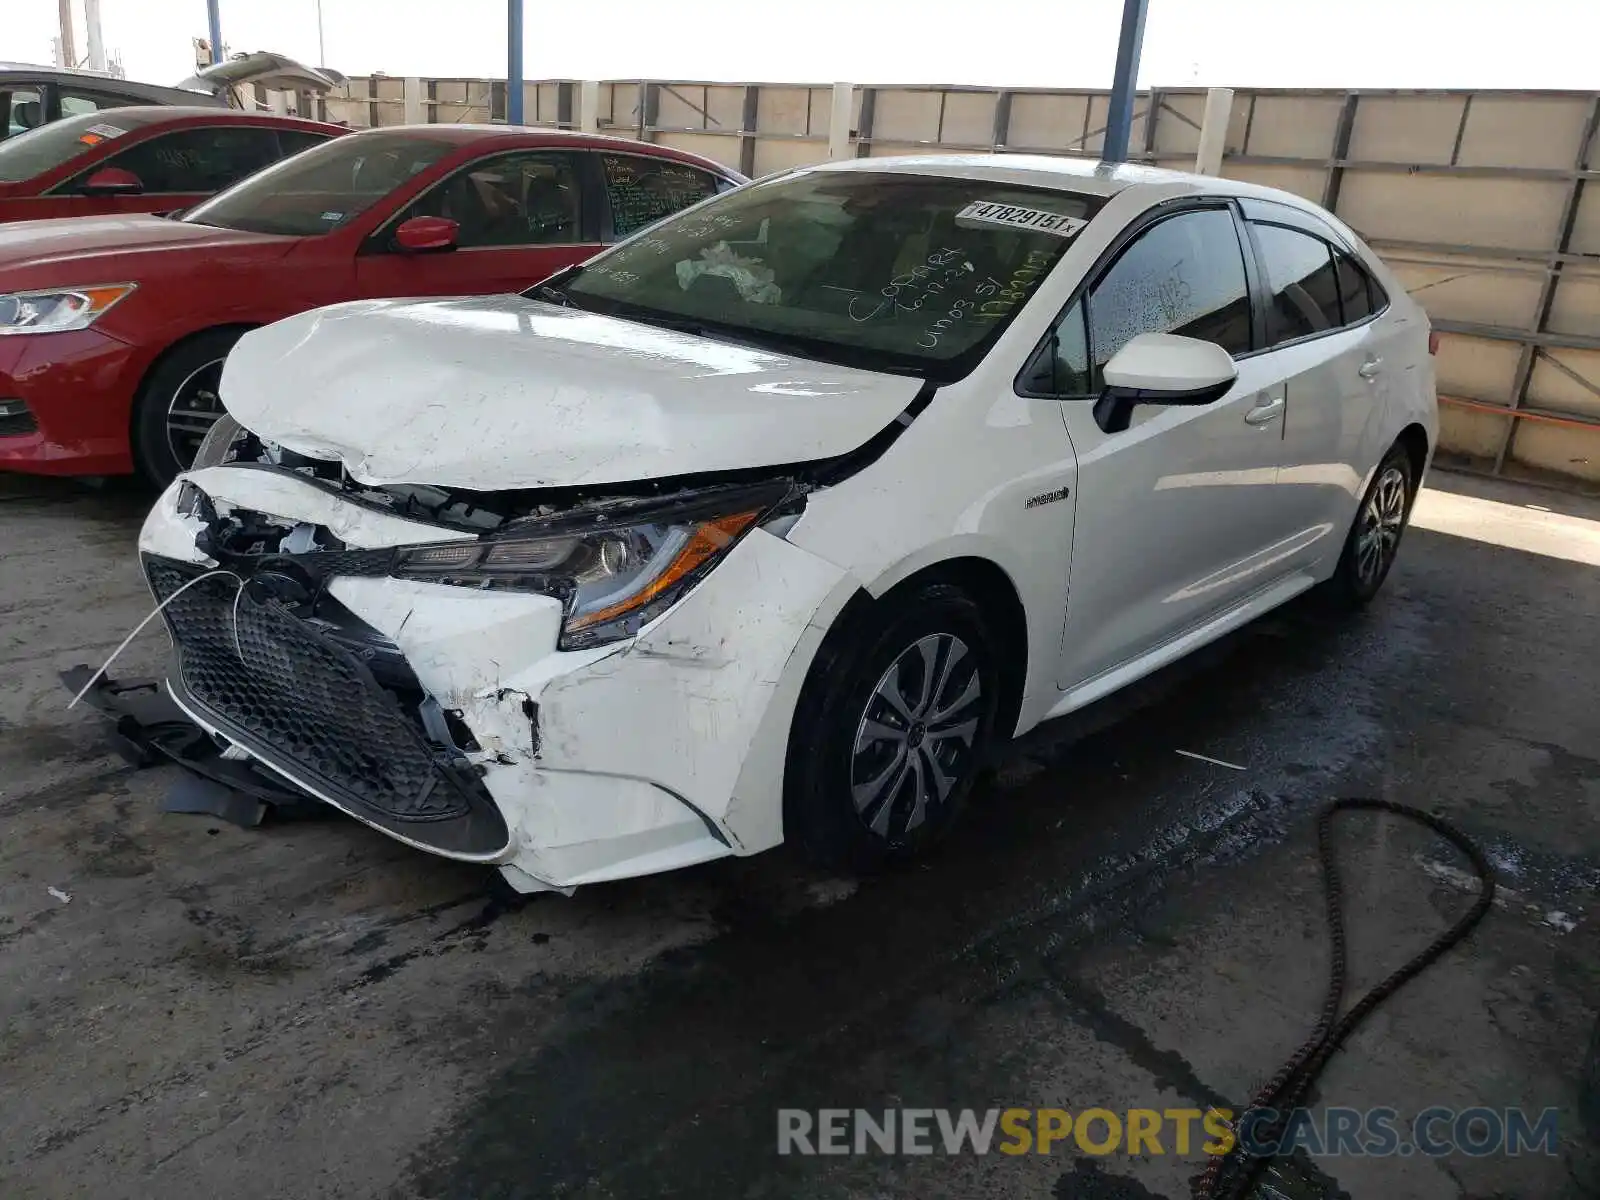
887	271
324	188
49	146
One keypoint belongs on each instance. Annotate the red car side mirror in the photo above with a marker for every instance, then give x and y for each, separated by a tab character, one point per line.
420	235
112	181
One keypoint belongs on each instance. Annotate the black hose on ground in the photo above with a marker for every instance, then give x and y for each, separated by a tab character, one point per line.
1229	1176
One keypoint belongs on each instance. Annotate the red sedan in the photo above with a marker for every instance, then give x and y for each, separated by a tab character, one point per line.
141	160
113	330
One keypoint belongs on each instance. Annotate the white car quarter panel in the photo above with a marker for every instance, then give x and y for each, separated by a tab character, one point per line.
956	484
682	704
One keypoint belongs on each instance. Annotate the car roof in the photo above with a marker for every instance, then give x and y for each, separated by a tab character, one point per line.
11	72
467	135
141	116
1083	175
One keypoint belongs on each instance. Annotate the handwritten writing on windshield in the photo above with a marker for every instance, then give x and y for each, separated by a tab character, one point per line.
995	299
914	289
643	250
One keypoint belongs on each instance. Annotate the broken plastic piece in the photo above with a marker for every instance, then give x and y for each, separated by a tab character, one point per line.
196	794
151	729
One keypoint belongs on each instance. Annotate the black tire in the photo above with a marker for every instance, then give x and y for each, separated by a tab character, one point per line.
1383	513
832	749
186	380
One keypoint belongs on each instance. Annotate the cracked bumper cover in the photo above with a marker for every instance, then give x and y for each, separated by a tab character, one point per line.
627	759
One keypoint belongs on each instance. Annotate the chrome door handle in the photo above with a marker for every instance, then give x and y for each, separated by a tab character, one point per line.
1261	414
1370	369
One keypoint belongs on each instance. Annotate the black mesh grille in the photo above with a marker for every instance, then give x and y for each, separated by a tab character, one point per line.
271	682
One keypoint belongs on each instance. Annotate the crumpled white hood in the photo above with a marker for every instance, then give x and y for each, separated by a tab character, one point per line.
501	392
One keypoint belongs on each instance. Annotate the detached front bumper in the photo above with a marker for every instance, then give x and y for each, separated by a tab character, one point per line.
562	768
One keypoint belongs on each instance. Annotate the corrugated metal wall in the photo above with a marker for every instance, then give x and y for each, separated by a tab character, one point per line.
1485	203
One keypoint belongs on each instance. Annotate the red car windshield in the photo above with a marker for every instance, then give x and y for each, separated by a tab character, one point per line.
323	188
44	149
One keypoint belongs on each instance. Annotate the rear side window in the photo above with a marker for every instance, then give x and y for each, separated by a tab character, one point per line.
640	191
199	160
1184	276
1301	280
1359	293
292	141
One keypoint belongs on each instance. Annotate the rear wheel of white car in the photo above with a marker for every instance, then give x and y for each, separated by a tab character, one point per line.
891	730
178	404
1374	538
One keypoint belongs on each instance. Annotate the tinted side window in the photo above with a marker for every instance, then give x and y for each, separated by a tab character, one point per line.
1300	275
1063	368
292	141
528	198
1184	276
198	160
642	190
1358	291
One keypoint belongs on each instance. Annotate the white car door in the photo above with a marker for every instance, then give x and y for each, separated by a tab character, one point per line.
1328	355
1175	514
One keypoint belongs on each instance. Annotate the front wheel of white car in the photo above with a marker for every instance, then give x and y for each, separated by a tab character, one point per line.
1374	538
891	730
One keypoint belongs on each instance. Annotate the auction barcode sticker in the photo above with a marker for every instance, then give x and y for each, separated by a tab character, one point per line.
990	212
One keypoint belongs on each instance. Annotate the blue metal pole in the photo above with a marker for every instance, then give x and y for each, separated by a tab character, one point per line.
1119	121
514	63
214	15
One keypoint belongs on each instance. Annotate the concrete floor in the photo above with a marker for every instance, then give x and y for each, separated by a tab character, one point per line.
311	1010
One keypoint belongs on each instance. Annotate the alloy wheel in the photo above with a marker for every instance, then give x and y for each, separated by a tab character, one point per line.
1382	520
914	741
192	411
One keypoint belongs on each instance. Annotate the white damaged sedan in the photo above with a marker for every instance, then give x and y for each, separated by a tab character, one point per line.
773	520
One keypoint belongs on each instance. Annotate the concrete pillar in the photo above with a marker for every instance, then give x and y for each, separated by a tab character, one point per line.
839	120
97	45
589	106
68	53
1214	131
416	111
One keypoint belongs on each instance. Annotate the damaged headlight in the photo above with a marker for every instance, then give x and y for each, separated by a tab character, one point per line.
611	581
58	310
